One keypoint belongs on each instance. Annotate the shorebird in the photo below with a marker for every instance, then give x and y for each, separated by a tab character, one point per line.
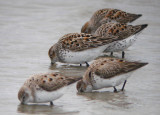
107	72
43	88
103	16
79	48
121	30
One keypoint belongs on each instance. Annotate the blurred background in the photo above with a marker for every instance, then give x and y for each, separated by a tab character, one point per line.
28	28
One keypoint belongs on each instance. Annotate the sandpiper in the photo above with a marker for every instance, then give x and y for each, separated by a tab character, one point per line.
107	72
43	88
79	48
107	15
121	30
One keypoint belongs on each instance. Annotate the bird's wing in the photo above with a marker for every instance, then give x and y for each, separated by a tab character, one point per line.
110	67
119	29
82	41
108	15
54	81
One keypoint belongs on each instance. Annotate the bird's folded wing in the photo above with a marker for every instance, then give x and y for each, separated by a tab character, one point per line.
118	29
82	41
110	67
54	81
114	14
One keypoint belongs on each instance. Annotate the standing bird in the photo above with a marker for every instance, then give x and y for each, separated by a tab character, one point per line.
43	88
79	48
107	72
121	30
107	15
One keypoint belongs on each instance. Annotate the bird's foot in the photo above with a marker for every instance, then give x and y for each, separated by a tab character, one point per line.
51	103
123	53
115	90
87	65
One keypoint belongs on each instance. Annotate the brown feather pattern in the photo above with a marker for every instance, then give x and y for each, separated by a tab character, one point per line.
50	81
118	29
110	67
107	15
82	41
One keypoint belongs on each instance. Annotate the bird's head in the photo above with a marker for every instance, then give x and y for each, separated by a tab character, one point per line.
52	54
83	87
24	95
86	28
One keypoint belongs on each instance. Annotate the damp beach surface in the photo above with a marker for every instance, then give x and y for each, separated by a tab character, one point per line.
29	28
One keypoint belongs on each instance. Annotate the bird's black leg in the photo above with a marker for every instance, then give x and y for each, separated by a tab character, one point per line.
123	53
124	85
80	64
111	54
51	103
87	64
115	90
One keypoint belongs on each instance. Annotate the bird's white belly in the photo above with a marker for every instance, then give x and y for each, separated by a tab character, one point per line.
47	96
121	45
99	83
84	56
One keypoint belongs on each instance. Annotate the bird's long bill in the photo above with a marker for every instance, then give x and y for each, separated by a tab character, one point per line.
22	101
81	90
52	63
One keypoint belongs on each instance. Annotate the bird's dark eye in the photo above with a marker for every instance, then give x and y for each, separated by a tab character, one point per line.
90	75
52	54
81	90
23	97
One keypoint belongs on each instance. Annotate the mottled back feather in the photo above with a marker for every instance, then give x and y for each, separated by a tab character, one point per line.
119	29
106	15
110	67
82	41
50	81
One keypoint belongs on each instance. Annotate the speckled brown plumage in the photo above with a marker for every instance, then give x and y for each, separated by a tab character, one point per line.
107	15
41	88
49	81
114	14
110	67
119	29
82	41
107	72
74	47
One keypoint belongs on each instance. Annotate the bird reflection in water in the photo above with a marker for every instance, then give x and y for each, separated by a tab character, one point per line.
119	99
43	109
68	70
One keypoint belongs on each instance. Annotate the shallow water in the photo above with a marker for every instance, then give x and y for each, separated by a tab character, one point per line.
27	30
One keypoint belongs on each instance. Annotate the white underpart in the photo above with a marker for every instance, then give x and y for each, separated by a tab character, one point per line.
85	55
43	96
121	45
100	83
